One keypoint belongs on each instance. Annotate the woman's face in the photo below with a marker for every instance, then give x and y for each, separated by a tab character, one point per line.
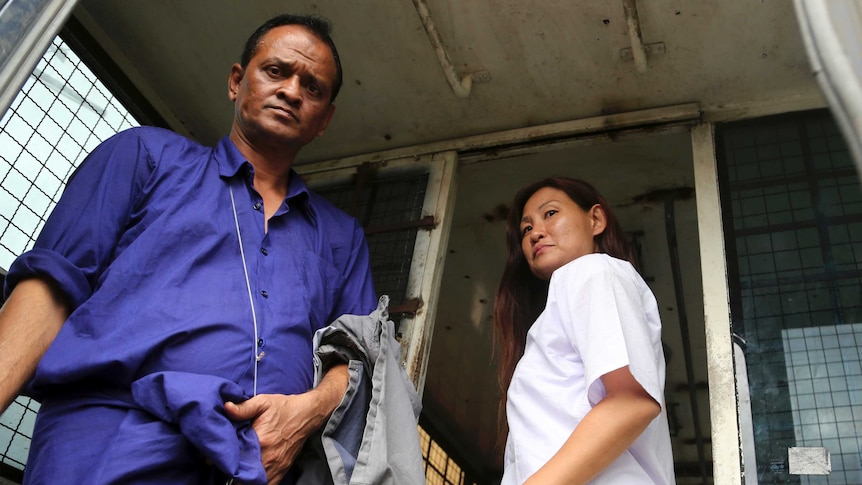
555	231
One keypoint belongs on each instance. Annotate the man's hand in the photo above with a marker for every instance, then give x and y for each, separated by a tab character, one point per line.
283	423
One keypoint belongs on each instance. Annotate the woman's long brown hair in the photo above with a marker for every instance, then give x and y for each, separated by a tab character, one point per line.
521	296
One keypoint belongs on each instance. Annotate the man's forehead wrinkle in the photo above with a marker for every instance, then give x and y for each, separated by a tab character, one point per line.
287	43
306	56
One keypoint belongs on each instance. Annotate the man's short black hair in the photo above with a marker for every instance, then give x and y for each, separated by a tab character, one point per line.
321	27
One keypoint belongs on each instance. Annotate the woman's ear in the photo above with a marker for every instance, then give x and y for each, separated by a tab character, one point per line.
598	219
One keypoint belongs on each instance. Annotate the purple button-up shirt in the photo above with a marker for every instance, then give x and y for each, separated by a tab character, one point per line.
144	244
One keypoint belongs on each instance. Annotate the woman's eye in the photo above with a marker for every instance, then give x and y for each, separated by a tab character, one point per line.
550	213
525	230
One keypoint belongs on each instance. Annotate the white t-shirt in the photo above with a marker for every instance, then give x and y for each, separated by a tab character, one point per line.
600	316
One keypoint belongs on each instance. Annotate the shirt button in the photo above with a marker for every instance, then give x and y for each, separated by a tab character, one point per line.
264	294
257	206
264	251
261	342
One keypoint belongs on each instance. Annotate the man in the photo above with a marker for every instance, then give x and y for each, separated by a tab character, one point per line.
170	271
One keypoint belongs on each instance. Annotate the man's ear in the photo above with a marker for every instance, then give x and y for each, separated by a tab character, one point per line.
233	81
325	121
598	219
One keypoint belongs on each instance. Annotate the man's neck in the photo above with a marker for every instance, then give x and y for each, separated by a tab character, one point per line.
275	159
271	170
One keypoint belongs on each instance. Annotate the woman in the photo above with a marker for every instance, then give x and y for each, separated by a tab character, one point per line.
583	385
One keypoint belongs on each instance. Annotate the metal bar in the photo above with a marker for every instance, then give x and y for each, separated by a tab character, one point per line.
461	85
673	249
409	306
831	31
806	278
26	29
822	225
426	223
791	179
503	139
363	174
716	311
749	458
630	7
811	224
426	270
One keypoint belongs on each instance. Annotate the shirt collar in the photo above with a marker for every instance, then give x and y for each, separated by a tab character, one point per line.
231	161
228	157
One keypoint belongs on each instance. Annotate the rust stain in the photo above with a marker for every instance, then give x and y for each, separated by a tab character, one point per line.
415	363
407	307
499	213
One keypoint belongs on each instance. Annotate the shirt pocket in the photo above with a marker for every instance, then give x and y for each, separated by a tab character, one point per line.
323	283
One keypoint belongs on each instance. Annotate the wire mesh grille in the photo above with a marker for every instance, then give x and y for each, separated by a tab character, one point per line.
382	203
62	112
796	228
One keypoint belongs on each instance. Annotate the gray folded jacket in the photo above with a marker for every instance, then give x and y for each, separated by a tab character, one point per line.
372	437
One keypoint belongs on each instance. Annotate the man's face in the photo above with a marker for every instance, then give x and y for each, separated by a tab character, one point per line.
283	96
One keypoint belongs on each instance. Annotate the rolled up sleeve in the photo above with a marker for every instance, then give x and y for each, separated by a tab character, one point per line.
82	234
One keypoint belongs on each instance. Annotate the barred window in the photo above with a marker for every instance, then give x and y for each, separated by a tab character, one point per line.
62	112
794	238
440	468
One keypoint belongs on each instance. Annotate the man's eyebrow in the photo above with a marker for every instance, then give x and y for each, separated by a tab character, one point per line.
319	80
278	60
